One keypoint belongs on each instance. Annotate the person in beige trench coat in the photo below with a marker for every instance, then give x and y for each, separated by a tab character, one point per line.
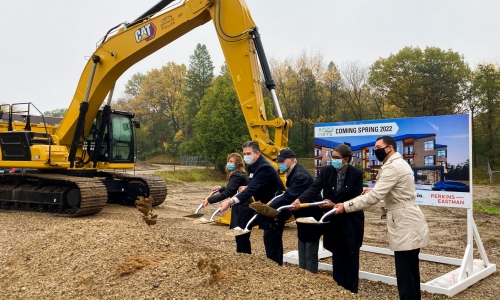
407	230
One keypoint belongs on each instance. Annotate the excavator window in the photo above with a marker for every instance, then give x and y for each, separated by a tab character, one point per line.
122	142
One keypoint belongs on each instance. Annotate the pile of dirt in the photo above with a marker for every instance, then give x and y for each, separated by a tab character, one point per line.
115	255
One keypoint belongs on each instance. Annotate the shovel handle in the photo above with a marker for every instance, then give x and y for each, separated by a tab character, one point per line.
212	192
271	201
285	207
213	215
250	222
198	209
303	205
327	214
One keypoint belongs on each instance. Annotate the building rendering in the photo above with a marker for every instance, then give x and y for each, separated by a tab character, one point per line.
427	158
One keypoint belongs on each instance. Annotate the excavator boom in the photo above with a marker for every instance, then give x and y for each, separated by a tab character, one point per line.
240	42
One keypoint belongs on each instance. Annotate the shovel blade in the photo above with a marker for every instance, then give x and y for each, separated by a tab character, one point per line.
195	216
264	209
237	231
310	221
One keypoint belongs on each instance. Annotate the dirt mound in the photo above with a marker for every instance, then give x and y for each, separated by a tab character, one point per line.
133	264
112	256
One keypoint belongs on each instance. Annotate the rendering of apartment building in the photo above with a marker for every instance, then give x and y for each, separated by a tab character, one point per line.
427	158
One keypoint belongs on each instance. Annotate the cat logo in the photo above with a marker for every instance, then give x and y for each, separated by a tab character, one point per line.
145	33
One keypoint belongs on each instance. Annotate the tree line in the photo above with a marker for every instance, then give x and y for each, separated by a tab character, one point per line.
191	111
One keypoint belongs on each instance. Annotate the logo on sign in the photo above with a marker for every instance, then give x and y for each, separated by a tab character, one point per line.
145	33
448	199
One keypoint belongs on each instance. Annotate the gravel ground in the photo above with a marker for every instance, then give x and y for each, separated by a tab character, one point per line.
115	255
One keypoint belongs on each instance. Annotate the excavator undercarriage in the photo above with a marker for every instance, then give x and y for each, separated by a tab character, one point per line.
76	195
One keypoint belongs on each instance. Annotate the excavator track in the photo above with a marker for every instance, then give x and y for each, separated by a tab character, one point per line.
68	195
154	186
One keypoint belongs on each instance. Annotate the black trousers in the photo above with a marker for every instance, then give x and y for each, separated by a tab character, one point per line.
240	215
273	241
408	274
308	255
243	244
345	265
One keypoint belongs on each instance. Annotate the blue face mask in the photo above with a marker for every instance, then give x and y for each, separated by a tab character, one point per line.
230	167
282	167
337	163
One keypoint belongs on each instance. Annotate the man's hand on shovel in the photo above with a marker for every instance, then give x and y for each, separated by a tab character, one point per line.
295	205
225	205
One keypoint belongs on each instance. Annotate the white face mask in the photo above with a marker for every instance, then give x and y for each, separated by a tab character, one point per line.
248	159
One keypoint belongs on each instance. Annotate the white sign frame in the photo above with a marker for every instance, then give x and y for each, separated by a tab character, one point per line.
467	274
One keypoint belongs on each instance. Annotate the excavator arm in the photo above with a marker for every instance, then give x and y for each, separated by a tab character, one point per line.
130	43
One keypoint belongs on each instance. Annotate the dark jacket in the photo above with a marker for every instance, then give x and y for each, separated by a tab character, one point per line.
352	224
297	182
236	179
264	183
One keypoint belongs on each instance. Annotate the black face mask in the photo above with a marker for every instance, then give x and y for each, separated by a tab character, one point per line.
380	153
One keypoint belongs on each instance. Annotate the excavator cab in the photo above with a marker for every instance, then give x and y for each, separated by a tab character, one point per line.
117	143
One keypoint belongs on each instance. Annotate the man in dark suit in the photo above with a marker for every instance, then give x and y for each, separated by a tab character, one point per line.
342	236
263	185
298	180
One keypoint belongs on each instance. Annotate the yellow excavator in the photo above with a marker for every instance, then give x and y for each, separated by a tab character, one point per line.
68	167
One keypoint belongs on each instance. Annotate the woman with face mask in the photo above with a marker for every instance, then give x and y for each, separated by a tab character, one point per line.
343	236
237	176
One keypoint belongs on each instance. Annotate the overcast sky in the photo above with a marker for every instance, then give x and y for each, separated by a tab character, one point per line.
44	44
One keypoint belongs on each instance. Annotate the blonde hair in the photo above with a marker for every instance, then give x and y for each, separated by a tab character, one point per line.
239	164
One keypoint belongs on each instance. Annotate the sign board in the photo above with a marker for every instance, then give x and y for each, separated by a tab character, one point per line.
436	147
439	150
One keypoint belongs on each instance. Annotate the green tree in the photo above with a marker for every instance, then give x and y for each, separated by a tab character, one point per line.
133	86
219	126
199	77
59	112
429	82
486	89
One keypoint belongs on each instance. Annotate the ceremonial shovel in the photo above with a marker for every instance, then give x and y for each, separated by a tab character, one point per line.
268	211
312	221
196	213
205	221
238	231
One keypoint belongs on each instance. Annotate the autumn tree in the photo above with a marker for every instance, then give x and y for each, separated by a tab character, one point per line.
158	100
332	94
299	90
429	82
357	92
